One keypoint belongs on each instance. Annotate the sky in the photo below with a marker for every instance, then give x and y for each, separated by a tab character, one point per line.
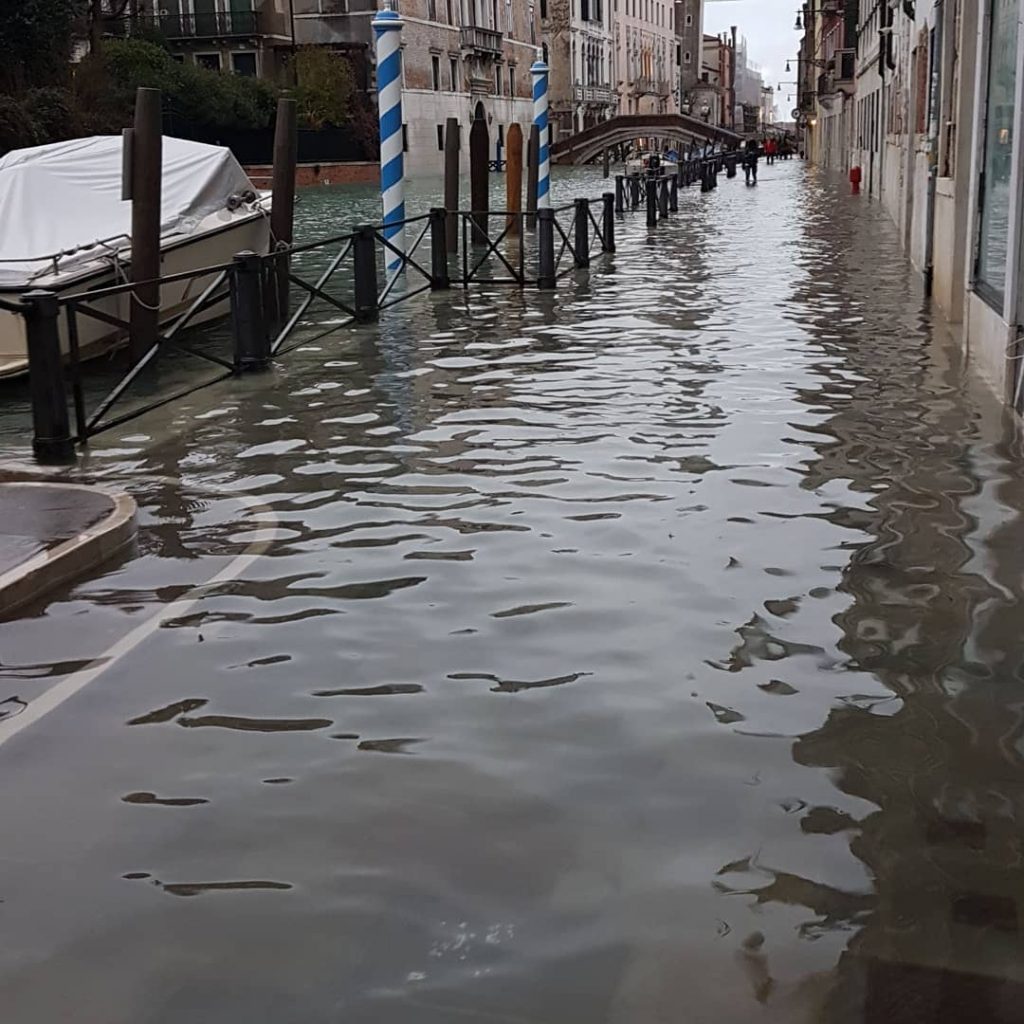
771	38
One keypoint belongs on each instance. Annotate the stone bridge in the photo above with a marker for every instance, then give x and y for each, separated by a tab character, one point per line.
592	142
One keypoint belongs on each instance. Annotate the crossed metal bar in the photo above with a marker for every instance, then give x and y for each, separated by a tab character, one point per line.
77	305
468	276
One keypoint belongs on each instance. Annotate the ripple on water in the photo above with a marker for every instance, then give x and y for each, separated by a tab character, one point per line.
714	635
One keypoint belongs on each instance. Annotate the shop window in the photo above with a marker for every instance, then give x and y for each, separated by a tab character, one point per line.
993	236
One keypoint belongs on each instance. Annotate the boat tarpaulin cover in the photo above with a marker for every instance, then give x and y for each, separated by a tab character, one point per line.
66	197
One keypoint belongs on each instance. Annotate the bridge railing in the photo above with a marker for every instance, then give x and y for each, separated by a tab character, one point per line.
627	126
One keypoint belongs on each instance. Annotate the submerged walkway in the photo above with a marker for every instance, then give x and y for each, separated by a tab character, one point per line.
645	652
53	533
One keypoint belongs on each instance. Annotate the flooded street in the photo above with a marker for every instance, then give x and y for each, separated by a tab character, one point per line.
648	651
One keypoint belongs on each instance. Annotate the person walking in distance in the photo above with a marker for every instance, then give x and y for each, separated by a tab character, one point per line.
750	155
769	151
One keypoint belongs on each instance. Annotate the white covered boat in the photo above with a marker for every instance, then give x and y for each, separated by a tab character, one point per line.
64	227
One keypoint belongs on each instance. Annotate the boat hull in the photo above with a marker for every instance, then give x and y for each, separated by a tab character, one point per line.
215	245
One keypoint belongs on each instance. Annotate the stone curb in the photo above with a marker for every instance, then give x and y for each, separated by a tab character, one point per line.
70	558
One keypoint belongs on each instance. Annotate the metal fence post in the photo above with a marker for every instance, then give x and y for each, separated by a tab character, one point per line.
248	322
581	232
620	194
663	197
673	194
652	202
51	430
364	256
439	279
608	223
546	248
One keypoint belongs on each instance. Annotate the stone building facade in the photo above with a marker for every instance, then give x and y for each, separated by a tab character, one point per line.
461	58
647	74
579	48
936	126
690	44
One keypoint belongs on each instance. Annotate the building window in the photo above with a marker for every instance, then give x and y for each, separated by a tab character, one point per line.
244	64
512	81
993	240
210	61
453	71
497	79
687	57
432	10
435	72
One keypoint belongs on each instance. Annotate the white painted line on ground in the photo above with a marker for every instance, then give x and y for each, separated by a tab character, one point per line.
77	681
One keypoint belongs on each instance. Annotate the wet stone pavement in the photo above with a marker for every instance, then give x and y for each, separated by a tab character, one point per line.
645	653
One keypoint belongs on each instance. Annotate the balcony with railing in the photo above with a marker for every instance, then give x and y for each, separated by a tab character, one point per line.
846	67
485	42
207	25
647	86
593	94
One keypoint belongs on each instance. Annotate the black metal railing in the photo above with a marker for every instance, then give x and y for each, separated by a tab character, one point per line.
344	272
209	25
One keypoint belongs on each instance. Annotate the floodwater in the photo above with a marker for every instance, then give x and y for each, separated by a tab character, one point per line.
647	652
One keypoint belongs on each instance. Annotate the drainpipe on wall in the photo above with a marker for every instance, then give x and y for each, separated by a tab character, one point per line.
934	121
732	76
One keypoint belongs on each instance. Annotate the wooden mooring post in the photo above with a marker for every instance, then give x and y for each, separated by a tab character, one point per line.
451	181
146	174
514	177
532	176
282	215
479	180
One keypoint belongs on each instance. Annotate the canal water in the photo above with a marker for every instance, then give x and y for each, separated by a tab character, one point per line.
645	652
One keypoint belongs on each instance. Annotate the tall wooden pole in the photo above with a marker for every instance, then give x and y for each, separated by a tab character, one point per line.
451	182
479	181
532	170
514	177
146	180
282	215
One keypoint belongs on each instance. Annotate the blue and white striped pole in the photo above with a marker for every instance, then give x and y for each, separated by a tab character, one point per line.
387	30
539	70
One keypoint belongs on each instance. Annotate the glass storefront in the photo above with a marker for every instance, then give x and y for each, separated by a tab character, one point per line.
990	270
